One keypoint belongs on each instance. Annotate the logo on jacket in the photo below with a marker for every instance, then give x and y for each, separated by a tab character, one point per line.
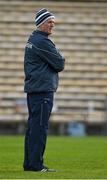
28	45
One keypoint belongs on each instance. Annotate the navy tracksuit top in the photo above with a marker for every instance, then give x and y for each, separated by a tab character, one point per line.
42	62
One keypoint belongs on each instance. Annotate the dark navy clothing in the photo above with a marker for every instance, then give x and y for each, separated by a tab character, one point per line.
39	107
42	63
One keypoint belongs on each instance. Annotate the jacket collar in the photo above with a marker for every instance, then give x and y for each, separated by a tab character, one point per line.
41	32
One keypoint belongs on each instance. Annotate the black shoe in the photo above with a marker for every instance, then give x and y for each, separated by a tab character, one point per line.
26	169
46	169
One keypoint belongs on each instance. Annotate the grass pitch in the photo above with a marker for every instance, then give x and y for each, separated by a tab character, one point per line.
74	158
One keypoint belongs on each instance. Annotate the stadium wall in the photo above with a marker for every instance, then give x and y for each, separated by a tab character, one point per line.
80	35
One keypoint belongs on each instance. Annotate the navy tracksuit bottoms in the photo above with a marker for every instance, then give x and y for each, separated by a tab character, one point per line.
39	109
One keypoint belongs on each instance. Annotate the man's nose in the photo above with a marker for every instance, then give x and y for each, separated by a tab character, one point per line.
52	25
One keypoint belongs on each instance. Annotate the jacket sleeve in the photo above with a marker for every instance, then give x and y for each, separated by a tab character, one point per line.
48	53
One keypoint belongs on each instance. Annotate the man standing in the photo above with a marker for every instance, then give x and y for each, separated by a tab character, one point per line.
42	62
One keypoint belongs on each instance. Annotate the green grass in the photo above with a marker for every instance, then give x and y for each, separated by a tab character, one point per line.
74	158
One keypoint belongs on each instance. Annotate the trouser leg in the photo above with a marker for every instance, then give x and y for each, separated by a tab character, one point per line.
26	163
40	106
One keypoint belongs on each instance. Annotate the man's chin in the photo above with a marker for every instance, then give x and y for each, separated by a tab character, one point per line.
49	33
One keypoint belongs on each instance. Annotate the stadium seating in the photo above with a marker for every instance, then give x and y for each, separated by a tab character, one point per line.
80	35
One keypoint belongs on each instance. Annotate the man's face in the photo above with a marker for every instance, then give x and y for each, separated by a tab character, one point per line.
48	26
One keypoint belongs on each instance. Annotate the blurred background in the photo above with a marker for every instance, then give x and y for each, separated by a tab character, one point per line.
80	106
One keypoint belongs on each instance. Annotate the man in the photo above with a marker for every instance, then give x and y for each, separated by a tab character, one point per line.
42	63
